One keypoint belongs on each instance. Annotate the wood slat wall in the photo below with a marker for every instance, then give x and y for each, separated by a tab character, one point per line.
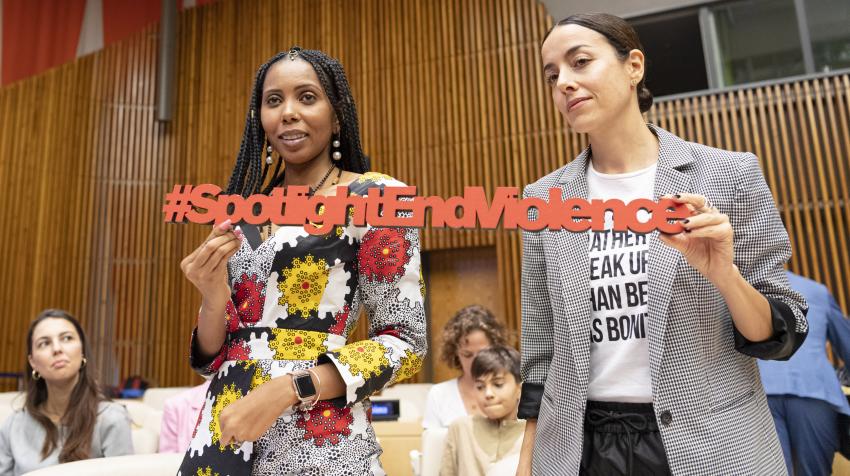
450	94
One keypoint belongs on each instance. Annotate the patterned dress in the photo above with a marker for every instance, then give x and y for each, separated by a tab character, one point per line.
295	299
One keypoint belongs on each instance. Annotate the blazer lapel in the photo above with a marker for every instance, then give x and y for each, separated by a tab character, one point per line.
574	267
664	261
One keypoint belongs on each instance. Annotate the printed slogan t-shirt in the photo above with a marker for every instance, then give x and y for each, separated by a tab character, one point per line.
619	347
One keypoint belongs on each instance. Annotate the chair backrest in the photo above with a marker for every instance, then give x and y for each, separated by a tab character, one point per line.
433	445
160	464
16	399
146	426
156	397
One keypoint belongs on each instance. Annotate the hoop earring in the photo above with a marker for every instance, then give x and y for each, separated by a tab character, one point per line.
336	155
35	375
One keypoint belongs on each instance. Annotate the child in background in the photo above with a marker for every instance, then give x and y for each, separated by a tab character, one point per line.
490	444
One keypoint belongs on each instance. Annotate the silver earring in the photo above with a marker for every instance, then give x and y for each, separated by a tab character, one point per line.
269	155
336	154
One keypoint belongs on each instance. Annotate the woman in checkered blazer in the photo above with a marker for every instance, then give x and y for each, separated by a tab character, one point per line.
655	372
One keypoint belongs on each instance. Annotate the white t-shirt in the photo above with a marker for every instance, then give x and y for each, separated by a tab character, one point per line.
444	405
619	345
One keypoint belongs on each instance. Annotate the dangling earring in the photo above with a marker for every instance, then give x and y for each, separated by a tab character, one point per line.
269	153
85	361
35	375
337	155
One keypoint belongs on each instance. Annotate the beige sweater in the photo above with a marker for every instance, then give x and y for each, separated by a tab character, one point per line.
475	445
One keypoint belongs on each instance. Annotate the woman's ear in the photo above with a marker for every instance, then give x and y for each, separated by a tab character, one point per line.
636	65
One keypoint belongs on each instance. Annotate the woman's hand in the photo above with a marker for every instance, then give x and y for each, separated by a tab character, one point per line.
248	418
206	267
706	242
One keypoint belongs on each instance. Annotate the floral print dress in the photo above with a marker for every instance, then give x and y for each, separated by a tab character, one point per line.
295	299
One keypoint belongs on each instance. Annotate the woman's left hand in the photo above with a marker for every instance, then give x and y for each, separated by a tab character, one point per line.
706	242
249	417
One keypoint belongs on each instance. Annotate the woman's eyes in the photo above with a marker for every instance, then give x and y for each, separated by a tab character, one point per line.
307	98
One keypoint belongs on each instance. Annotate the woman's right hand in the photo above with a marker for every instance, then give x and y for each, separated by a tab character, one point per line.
206	267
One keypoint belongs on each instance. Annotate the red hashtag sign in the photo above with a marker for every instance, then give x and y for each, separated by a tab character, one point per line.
178	203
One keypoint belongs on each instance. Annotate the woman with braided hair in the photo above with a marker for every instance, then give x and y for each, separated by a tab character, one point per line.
289	394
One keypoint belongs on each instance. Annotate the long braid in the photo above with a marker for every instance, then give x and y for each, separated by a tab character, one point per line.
333	79
249	161
249	173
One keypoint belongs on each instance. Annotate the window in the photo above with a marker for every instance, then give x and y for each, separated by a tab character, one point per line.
675	59
757	40
743	41
829	26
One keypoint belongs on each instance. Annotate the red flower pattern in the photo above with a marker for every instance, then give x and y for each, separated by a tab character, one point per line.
249	296
326	423
383	254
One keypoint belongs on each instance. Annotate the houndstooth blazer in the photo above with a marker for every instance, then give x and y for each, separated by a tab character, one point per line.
709	402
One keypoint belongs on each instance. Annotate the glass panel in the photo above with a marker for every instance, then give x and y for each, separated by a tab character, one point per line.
675	62
829	28
758	40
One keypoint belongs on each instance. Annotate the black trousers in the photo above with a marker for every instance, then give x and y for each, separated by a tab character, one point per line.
622	438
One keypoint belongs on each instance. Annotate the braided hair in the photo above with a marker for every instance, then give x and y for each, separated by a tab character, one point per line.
250	170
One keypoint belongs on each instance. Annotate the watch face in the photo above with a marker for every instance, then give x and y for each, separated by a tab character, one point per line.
304	384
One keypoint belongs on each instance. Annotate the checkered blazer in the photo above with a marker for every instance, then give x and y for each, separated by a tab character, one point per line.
712	411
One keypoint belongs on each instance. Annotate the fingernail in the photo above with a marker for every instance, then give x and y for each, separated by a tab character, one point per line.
225	224
677	196
686	220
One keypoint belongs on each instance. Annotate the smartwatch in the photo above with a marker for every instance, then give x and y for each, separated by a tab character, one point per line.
305	390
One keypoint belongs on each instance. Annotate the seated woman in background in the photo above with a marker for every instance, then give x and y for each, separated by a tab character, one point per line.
472	329
66	417
490	444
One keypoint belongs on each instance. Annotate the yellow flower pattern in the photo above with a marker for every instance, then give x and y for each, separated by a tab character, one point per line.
374	177
366	359
295	344
303	285
228	395
206	472
410	364
260	377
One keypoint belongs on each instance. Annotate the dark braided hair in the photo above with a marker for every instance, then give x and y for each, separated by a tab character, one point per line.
250	170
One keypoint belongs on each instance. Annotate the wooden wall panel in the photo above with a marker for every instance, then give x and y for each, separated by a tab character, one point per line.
450	94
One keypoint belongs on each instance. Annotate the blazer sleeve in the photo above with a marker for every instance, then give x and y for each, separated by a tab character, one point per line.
762	248
537	324
838	330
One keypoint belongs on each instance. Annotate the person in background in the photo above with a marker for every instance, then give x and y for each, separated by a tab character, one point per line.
803	393
470	330
66	417
180	417
488	444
